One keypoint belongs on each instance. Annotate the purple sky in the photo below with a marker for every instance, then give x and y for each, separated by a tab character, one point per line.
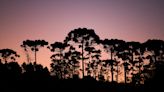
130	20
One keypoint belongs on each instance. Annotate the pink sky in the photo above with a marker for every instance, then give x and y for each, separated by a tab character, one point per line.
51	20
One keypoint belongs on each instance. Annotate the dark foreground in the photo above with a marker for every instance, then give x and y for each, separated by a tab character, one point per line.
74	85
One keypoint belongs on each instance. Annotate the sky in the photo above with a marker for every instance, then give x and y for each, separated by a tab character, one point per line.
52	20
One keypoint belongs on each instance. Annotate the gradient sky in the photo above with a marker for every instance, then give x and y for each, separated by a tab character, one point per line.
130	20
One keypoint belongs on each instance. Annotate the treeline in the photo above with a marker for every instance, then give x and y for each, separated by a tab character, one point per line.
83	53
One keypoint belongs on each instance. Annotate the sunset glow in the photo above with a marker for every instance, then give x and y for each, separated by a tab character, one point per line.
52	20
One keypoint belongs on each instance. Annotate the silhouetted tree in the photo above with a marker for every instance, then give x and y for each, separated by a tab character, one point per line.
94	63
28	71
41	73
123	53
156	47
6	54
101	73
14	71
34	71
59	64
83	37
88	68
136	61
141	63
72	57
155	50
10	71
111	64
133	48
109	46
113	46
119	46
34	45
25	47
117	63
93	55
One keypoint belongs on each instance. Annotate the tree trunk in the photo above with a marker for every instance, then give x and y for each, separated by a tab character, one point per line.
111	54
89	63
117	74
139	72
61	70
35	53
35	56
83	58
112	64
27	55
73	70
125	73
112	72
5	59
28	58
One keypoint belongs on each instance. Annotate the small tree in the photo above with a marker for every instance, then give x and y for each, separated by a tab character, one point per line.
7	54
34	45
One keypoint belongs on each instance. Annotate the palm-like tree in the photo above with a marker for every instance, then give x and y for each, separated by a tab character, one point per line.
34	45
83	37
6	54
